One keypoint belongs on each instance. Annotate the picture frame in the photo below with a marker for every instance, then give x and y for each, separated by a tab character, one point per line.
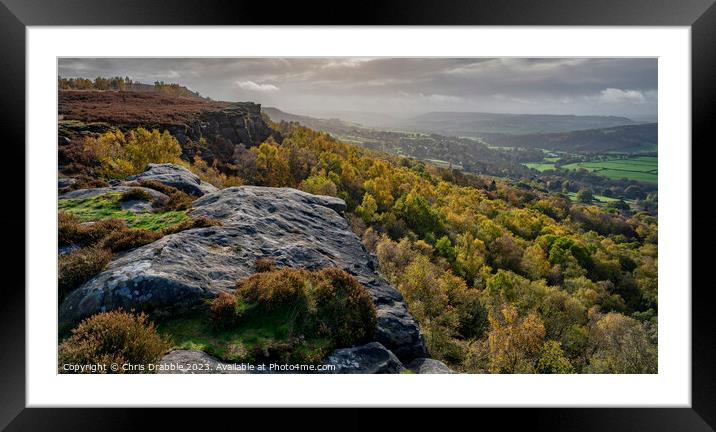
16	15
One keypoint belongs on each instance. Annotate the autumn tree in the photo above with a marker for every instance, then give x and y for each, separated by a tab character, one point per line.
368	208
515	342
121	155
272	164
552	359
319	185
620	344
469	256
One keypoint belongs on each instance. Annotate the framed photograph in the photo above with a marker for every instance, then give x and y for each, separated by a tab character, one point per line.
404	207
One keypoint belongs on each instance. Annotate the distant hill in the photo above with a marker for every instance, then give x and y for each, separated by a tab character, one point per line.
473	124
334	125
629	139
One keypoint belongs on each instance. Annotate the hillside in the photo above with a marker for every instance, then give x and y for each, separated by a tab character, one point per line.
334	126
460	153
294	247
472	124
627	139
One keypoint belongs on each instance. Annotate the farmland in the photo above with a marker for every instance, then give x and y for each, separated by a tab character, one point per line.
640	168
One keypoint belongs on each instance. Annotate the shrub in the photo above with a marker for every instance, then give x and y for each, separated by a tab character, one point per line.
128	239
157	186
136	194
264	265
326	304
113	337
344	309
178	201
86	182
68	229
79	266
114	234
191	223
277	289
223	312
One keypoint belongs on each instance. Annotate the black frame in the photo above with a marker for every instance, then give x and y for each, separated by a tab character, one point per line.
15	15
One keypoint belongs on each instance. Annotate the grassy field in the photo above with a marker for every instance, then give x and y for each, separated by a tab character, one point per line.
640	168
599	198
107	206
540	166
444	164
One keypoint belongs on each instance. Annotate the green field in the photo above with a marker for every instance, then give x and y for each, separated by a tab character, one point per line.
540	166
599	198
444	164
640	168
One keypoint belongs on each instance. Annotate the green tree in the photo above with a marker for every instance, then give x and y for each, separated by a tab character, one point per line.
319	185
418	214
445	248
368	208
585	196
552	359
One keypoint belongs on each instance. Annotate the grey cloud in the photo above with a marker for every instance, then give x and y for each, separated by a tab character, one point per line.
618	86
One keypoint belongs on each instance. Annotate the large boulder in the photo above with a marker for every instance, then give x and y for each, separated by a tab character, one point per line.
372	358
175	176
294	228
429	366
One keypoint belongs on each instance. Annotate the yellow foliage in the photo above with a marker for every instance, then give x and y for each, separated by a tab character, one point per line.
121	155
272	163
212	175
515	342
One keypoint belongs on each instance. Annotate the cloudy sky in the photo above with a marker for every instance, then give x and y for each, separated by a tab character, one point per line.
403	85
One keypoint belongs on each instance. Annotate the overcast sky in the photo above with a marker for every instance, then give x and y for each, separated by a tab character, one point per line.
403	85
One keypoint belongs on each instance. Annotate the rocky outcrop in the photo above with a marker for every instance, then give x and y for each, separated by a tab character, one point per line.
238	123
222	125
372	358
175	176
294	228
194	362
429	366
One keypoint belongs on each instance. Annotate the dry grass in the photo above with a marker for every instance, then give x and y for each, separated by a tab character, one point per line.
79	266
113	337
131	108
